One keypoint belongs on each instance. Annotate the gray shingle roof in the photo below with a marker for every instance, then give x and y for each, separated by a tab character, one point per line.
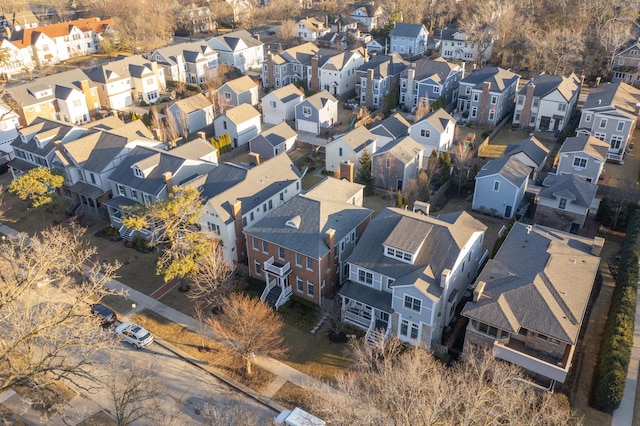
394	126
532	147
317	217
499	78
571	187
43	128
332	189
403	29
436	69
385	65
547	83
61	85
279	133
404	149
587	144
619	95
439	119
540	280
378	299
508	167
357	139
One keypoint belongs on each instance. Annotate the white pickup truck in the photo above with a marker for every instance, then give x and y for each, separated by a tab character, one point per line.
297	417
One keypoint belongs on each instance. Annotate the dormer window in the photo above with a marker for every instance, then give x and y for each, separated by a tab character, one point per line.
399	254
137	172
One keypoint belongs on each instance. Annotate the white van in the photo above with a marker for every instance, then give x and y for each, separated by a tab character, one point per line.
297	417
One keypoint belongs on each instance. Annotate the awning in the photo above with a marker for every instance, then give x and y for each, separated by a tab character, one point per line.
361	293
89	191
22	165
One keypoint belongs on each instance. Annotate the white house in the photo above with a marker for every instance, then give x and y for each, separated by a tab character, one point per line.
370	16
9	123
193	62
192	114
18	58
456	45
434	131
334	71
315	112
280	105
242	123
240	49
408	39
349	147
310	29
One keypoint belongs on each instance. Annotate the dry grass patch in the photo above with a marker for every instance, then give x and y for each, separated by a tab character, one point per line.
98	419
45	400
204	349
290	395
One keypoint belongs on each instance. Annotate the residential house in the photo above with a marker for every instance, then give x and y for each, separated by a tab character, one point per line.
273	141
583	156
280	105
547	102
288	66
564	201
241	90
316	112
486	95
610	113
36	143
378	80
334	71
191	114
530	300
456	45
52	44
396	164
348	148
342	24
408	39
67	96
147	175
239	49
626	64
500	186
377	46
194	62
434	131
18	60
532	153
391	128
89	160
409	272
242	123
430	80
238	197
9	123
370	16
300	248
192	19
310	29
16	21
332	40
127	80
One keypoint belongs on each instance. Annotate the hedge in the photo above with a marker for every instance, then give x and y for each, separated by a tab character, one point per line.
615	349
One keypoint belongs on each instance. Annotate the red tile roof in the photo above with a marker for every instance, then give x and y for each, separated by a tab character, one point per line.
26	37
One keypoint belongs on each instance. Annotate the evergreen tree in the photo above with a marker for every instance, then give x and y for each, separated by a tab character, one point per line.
364	171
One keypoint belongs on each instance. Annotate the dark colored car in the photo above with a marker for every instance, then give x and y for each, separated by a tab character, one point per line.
106	315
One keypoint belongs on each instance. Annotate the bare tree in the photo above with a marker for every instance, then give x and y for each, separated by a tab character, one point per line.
211	273
135	392
615	35
248	327
288	29
47	332
231	414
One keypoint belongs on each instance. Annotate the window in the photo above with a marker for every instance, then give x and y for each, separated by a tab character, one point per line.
520	100
298	259
212	227
306	111
387	163
580	162
476	97
425	133
281	252
340	152
587	118
603	123
309	264
309	288
496	185
299	284
494	100
227	96
535	103
563	203
492	115
121	190
365	277
134	193
616	141
255	244
146	198
474	112
468	90
562	107
412	303
272	104
409	329
620	126
265	247
436	90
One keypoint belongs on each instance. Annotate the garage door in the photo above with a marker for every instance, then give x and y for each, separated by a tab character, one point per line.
307	126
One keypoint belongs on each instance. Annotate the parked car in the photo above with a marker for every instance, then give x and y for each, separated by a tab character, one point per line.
106	315
134	334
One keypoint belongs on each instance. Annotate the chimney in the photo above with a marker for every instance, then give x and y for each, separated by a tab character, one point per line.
326	21
256	36
477	292
369	95
444	278
254	158
346	171
84	86
483	105
339	26
157	134
154	67
598	243
315	80
168	180
236	209
202	135
637	108
464	67
526	108
421	207
411	76
271	75
598	81
329	238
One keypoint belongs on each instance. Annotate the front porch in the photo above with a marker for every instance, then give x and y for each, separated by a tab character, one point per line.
87	198
278	289
517	352
367	309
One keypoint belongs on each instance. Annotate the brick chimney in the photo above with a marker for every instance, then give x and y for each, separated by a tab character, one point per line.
241	245
202	135
346	171
477	292
369	95
598	243
168	180
315	80
254	158
526	108
483	105
411	76
271	74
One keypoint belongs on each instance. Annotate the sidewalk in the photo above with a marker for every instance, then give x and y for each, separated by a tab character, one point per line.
623	416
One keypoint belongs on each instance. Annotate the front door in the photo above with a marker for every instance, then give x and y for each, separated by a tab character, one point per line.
544	123
574	228
507	211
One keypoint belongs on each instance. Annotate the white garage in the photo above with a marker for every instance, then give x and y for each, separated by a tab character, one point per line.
307	126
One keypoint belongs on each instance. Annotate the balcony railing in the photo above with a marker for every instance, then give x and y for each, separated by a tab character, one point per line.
276	268
529	361
358	320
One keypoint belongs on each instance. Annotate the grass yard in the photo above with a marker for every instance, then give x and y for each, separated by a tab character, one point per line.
290	396
98	419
